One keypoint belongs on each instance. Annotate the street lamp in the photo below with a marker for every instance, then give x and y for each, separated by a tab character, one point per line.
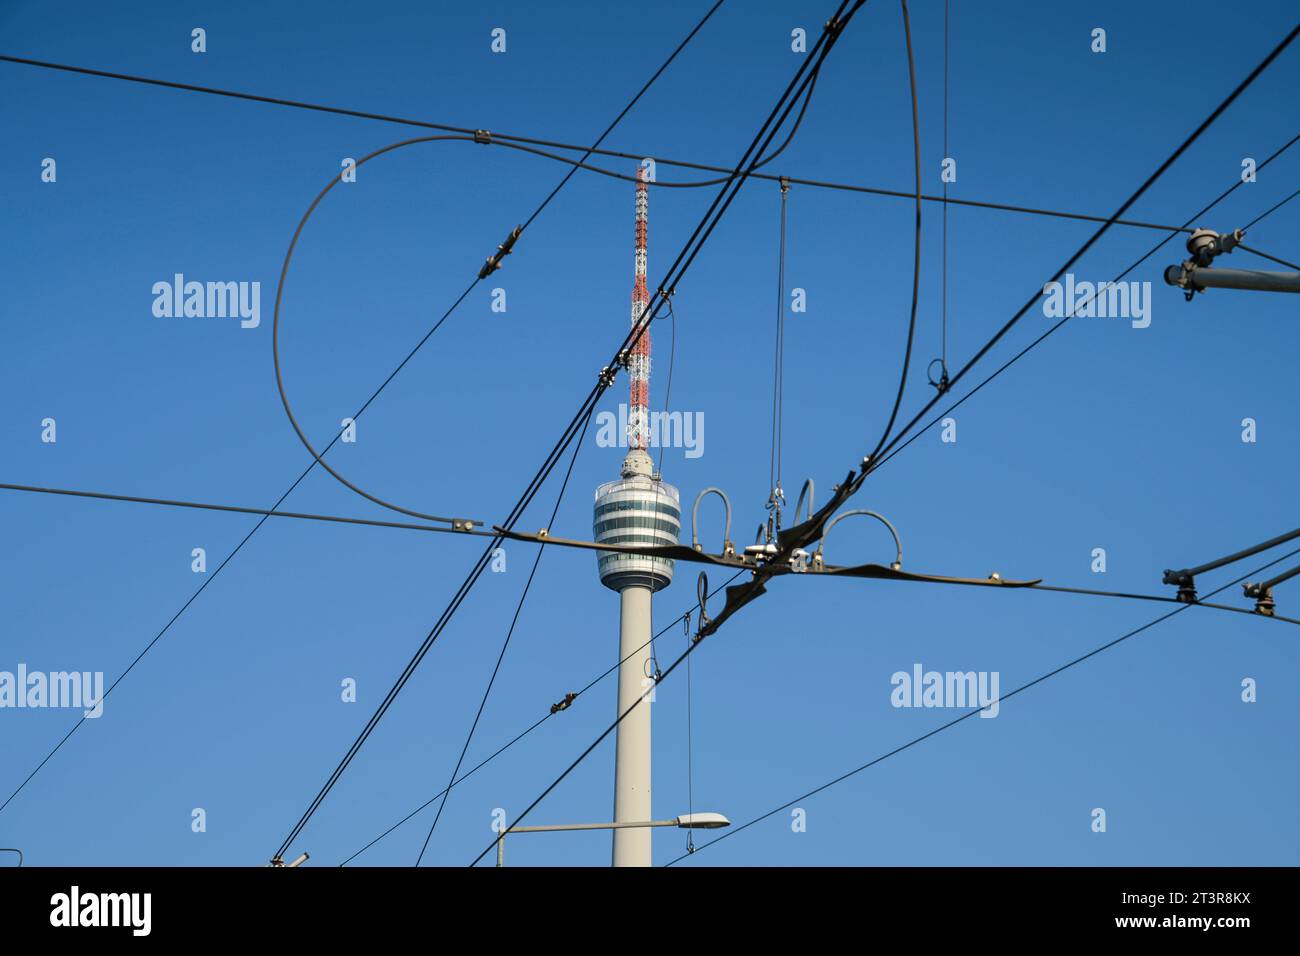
687	821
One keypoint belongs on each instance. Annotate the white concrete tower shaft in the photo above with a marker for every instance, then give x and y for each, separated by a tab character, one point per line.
632	760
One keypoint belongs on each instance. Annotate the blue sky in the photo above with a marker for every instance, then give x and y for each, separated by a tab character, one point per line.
1105	436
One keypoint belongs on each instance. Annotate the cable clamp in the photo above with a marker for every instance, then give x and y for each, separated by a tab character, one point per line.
564	704
462	524
607	375
483	136
493	262
776	498
1186	585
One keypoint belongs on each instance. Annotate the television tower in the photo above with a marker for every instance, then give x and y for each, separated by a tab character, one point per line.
638	508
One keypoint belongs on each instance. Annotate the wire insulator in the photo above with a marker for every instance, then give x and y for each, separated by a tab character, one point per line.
493	262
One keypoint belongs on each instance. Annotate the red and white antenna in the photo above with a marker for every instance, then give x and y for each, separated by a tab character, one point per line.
638	413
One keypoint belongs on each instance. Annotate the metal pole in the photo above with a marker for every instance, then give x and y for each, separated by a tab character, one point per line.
1185	576
632	845
1284	576
1214	278
501	848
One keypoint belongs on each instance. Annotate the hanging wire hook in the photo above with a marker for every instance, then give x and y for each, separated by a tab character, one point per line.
942	384
776	502
702	595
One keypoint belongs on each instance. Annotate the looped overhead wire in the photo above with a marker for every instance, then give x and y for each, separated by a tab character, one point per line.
810	491
727	546
898	544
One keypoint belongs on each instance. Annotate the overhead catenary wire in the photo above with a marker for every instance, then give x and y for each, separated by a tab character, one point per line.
870	461
690	747
316	458
1137	194
834	28
505	645
721	202
505	249
685	616
626	109
594	744
680	266
916	254
476	571
555	709
284	272
275	334
1175	611
968	714
208	579
668	390
560	542
694	644
278	513
1270	210
1160	598
1071	312
443	529
240	509
1264	255
527	143
943	271
778	366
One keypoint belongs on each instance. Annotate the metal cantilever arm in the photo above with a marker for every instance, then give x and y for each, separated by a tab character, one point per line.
1184	576
1258	590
